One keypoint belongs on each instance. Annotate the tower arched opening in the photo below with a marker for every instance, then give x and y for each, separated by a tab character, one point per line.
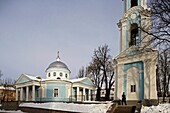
134	37
134	3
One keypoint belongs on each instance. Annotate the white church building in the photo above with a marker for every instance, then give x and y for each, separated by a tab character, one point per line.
57	86
135	66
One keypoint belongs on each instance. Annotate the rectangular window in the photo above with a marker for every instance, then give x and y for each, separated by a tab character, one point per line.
133	88
55	92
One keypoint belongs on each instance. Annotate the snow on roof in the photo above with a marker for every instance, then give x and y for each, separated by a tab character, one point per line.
83	108
2	87
32	77
7	88
77	80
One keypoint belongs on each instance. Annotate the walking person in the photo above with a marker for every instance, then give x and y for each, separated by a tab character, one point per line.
124	98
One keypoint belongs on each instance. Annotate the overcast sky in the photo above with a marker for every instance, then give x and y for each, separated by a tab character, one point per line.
32	31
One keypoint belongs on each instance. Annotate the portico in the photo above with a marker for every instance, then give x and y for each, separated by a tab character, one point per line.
82	93
27	93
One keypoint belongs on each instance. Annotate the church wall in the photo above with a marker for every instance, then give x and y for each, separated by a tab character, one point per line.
146	23
123	35
138	68
61	92
119	72
150	79
146	64
133	78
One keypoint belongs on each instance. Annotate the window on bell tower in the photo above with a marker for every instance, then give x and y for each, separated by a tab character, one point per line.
134	37
134	3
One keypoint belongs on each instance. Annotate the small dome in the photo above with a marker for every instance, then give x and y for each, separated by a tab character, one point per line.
58	64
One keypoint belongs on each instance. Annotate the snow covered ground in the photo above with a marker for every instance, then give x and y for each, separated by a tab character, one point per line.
87	108
161	108
11	111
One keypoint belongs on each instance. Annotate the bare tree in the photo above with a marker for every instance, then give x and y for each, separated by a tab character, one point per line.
94	72
103	60
159	30
164	73
160	27
82	72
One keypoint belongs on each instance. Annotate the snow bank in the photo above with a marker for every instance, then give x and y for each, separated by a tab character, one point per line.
87	108
161	108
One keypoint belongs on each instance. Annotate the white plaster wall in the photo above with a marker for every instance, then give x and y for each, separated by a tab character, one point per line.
119	82
123	36
68	93
58	71
146	23
133	79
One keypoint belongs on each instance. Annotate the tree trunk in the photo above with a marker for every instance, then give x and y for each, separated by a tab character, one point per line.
107	96
98	94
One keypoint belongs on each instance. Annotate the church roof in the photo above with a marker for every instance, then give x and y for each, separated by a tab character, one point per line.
58	64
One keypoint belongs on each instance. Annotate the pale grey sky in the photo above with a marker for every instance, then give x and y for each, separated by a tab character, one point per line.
32	31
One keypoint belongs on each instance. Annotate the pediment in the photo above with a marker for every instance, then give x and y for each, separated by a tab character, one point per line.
133	50
87	81
22	79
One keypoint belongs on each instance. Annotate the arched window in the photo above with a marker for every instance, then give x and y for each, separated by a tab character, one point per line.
48	74
66	75
134	3
54	74
134	38
61	74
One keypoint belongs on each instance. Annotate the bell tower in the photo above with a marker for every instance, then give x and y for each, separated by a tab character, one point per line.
135	66
136	16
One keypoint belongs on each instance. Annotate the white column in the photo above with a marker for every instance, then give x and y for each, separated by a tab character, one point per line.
84	93
78	96
16	94
33	93
89	95
21	94
27	90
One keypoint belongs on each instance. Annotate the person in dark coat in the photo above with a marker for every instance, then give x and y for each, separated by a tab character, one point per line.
124	98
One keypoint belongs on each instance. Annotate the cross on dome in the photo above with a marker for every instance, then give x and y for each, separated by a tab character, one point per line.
58	57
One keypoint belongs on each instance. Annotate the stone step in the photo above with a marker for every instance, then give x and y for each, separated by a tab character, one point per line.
125	109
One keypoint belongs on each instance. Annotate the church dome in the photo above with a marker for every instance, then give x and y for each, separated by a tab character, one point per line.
58	64
58	70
